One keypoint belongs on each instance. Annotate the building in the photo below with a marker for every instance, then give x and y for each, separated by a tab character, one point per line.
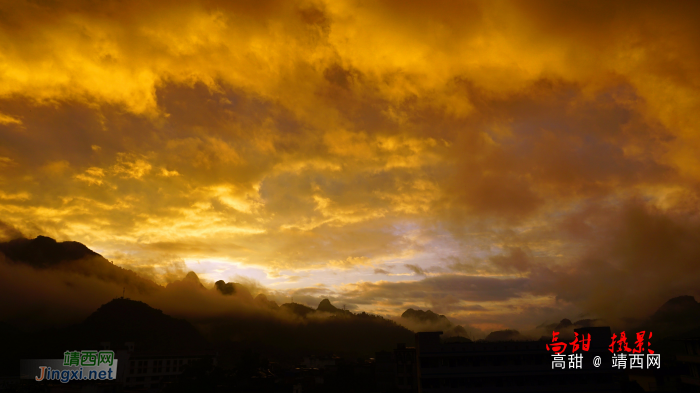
513	366
406	368
152	369
385	371
692	360
320	362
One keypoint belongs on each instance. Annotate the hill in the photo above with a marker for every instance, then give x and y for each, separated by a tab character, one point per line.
46	253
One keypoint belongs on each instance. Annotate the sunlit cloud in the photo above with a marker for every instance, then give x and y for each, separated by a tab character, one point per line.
357	145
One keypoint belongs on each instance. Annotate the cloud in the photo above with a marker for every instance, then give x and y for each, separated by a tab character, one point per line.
5	120
332	139
417	270
9	232
645	248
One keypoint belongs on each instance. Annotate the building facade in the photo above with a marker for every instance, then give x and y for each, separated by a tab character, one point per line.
513	366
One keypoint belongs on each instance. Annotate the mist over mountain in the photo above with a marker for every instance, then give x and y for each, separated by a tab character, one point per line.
424	316
61	295
262	300
297	309
425	321
46	253
60	284
43	252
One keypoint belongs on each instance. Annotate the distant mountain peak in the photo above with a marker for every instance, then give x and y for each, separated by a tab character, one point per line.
46	253
261	298
686	300
326	306
43	252
193	279
680	306
119	307
298	309
424	316
226	288
122	320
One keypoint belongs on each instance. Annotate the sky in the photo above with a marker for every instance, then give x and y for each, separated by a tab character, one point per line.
503	163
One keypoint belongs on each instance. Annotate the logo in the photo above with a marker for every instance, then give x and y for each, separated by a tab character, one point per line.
86	365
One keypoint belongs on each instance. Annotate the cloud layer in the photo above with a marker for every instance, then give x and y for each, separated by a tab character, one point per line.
497	162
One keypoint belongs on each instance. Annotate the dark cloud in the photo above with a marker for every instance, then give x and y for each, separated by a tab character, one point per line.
645	248
417	270
8	232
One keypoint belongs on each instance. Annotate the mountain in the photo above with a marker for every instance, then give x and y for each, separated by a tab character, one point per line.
326	306
262	299
681	309
297	309
424	316
676	316
421	321
46	253
310	332
118	321
231	288
565	324
124	320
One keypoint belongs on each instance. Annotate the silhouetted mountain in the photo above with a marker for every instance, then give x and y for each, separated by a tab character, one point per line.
231	288
677	315
118	321
564	323
424	316
297	309
192	278
681	308
262	299
581	323
419	320
326	306
226	288
356	334
45	253
128	320
459	330
567	324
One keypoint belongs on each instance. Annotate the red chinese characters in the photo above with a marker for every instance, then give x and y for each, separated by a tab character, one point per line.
622	343
585	342
639	344
557	346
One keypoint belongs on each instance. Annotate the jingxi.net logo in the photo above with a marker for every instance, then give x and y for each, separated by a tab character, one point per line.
84	365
